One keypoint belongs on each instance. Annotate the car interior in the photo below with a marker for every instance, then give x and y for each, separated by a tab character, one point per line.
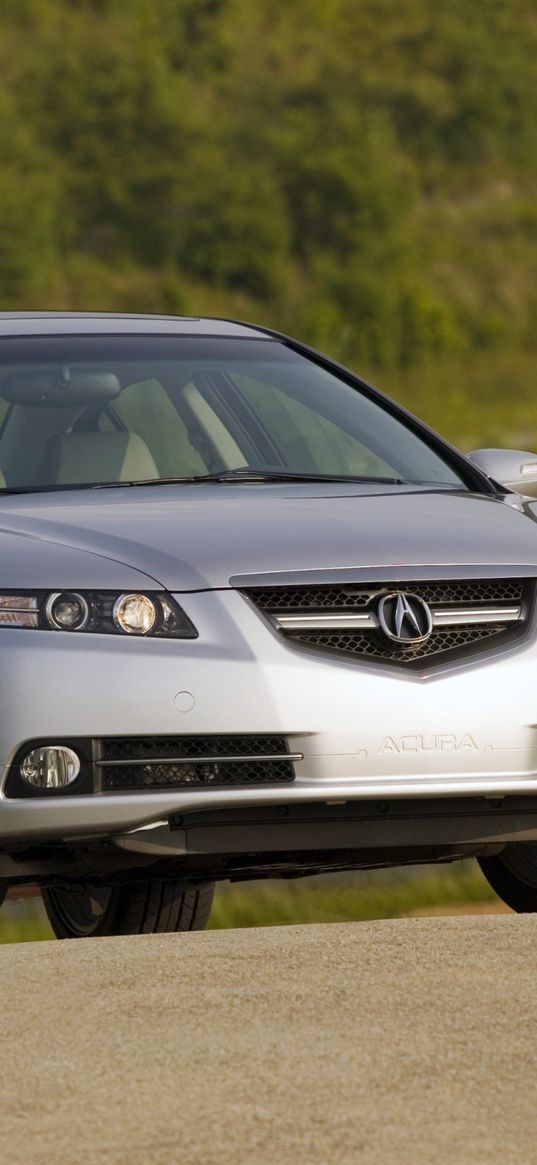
74	424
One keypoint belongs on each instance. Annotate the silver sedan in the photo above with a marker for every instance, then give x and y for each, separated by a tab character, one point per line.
255	619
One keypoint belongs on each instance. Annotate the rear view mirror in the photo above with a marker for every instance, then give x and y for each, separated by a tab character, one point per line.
54	387
510	467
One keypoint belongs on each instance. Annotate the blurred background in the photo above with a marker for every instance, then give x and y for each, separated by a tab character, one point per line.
359	173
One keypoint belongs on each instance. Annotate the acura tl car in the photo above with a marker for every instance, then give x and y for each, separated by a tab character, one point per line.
256	620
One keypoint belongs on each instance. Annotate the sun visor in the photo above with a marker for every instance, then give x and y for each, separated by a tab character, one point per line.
57	387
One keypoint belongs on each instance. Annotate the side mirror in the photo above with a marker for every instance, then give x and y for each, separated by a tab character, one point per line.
510	467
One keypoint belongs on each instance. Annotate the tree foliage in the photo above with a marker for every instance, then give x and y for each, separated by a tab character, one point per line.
360	171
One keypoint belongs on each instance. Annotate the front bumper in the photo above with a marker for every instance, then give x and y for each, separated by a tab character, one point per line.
368	832
365	733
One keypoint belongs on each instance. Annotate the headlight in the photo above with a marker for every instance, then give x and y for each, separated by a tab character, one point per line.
135	614
66	611
96	612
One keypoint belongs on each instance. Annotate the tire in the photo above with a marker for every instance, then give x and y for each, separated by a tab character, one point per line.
513	875
152	907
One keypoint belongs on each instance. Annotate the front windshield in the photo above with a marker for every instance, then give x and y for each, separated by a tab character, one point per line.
88	410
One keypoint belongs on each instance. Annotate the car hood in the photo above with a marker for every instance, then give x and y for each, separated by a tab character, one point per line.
200	537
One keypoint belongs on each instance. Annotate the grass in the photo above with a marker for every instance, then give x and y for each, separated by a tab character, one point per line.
342	898
485	400
347	898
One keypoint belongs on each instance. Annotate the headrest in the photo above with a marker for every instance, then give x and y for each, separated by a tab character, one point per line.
84	457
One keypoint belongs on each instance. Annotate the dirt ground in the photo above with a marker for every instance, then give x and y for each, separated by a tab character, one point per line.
408	1040
456	909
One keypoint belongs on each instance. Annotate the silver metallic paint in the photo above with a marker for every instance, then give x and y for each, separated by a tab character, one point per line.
198	537
364	731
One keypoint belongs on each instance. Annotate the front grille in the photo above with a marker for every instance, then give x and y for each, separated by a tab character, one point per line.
473	615
165	762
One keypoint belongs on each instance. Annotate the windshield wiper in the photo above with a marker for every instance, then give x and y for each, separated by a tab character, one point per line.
244	474
6	490
224	476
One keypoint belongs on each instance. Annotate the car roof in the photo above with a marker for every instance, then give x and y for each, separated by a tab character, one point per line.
40	323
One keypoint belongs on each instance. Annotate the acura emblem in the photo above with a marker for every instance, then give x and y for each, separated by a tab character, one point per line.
405	618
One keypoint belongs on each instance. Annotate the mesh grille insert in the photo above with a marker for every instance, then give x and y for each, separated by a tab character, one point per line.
280	600
374	645
170	776
165	762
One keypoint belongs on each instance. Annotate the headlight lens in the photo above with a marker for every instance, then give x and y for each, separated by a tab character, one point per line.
103	612
66	611
135	614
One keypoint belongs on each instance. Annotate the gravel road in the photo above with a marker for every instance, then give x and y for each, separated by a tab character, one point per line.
382	1043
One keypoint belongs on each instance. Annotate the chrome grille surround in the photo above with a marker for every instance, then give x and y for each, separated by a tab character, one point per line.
468	616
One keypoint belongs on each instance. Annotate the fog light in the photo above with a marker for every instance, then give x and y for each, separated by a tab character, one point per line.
52	767
135	614
66	611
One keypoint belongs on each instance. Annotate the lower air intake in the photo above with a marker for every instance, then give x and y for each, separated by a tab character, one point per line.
151	763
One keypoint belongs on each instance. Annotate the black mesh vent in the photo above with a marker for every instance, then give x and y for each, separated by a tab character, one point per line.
374	645
172	776
282	600
147	747
196	768
290	599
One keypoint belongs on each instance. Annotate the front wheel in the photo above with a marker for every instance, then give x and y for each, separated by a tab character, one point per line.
513	875
155	906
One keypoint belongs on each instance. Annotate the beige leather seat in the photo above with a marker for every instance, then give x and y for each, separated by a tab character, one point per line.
75	458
